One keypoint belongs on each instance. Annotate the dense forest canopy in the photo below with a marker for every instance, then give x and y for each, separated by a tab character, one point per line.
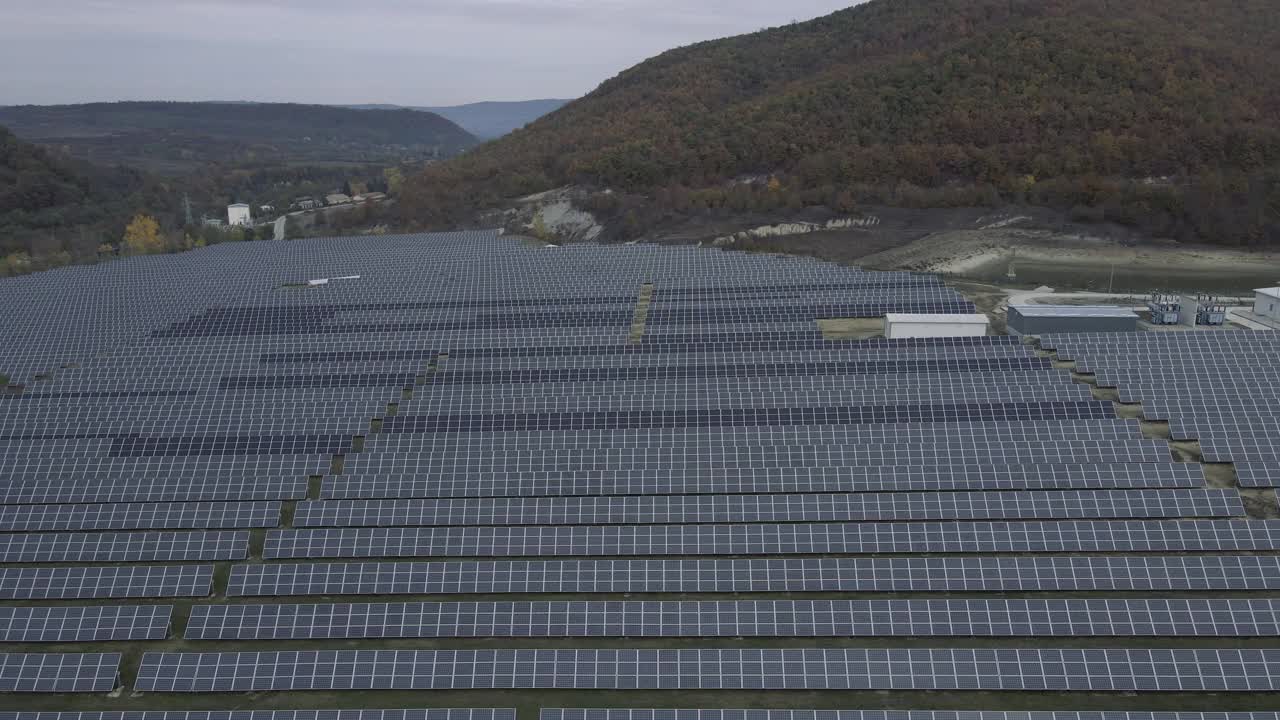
44	195
1162	114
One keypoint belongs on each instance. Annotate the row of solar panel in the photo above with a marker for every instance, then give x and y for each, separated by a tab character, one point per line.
748	417
796	369
630	510
778	456
628	714
418	714
640	419
1100	670
762	618
142	516
765	618
764	354
776	441
640	540
208	482
906	574
761	539
84	624
651	343
317	326
971	431
959	475
772	508
218	481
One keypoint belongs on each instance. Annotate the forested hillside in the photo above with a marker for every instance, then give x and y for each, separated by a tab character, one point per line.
1160	114
174	138
58	209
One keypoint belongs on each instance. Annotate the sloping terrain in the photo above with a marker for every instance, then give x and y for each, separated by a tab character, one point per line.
1161	114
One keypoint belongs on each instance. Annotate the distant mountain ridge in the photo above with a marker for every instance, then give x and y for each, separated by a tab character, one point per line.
486	120
174	137
1158	114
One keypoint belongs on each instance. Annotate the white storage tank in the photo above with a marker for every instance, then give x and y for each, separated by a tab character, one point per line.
903	325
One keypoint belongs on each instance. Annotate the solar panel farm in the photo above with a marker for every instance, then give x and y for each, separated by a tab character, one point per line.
463	477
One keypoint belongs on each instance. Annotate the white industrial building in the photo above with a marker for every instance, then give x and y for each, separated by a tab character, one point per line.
238	215
1266	303
903	325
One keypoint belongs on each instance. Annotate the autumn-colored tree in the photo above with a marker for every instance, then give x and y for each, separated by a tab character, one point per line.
142	236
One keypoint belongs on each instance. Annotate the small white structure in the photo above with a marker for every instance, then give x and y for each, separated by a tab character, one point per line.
901	325
337	199
238	215
1266	303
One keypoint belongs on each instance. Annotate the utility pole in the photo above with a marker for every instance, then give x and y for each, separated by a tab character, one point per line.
186	206
1111	286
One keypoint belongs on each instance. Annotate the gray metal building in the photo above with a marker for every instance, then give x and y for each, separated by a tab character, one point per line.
1044	319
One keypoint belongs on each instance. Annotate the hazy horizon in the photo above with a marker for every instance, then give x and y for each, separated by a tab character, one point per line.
433	53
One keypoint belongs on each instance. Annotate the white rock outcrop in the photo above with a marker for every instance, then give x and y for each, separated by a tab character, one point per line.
797	228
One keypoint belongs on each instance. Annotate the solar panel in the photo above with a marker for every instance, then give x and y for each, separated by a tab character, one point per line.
1002	669
741	618
83	583
897	574
717	714
420	714
124	547
84	624
149	516
59	672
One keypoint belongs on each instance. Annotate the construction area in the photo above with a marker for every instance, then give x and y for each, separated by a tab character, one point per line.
460	477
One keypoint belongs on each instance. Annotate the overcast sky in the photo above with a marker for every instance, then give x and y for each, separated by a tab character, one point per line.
407	52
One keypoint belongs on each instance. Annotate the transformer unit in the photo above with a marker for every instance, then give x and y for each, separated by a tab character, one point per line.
1211	311
1165	309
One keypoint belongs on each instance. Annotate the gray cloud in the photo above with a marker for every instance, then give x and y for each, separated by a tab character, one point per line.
330	51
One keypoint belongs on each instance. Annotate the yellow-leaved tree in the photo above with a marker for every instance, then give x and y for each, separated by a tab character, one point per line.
142	236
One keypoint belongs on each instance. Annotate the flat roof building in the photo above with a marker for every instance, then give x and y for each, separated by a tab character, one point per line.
1044	319
1266	302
